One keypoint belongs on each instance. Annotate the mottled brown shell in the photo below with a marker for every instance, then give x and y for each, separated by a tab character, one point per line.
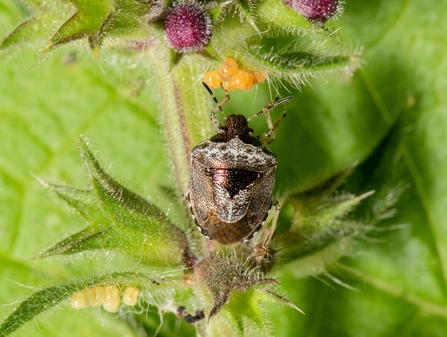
231	186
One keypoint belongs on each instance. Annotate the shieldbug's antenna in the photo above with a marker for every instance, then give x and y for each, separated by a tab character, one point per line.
219	107
266	111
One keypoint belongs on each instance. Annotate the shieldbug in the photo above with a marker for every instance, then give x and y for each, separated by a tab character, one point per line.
232	177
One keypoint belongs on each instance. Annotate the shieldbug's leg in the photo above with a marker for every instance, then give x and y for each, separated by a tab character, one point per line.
219	107
273	226
266	111
272	132
261	255
186	199
186	196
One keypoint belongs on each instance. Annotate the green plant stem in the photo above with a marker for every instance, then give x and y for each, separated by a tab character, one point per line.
185	107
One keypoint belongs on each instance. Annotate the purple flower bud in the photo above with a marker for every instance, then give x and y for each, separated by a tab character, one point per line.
314	10
187	26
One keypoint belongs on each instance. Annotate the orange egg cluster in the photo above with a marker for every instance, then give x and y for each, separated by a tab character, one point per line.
230	77
108	297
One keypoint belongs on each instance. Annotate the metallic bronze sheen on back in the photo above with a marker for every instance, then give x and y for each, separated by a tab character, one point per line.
230	190
232	177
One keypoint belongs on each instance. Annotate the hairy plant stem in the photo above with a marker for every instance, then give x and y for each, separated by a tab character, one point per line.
185	106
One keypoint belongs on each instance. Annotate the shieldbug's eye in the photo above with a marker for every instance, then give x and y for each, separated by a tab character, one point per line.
233	173
130	296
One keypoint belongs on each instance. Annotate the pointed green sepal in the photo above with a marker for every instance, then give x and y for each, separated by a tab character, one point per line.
97	20
38	24
87	21
120	219
246	310
318	215
320	219
83	201
297	62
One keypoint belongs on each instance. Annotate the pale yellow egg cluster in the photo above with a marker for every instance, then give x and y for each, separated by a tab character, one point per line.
230	77
108	297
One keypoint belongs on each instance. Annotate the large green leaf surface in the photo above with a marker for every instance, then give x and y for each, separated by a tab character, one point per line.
391	117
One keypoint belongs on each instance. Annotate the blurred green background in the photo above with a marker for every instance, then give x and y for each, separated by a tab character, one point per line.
391	117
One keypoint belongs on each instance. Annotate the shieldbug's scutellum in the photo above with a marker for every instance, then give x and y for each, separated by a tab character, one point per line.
232	177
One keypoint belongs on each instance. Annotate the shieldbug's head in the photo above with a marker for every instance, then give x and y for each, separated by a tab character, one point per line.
232	176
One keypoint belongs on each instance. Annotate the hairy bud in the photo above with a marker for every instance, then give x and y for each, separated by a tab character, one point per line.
187	27
315	10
